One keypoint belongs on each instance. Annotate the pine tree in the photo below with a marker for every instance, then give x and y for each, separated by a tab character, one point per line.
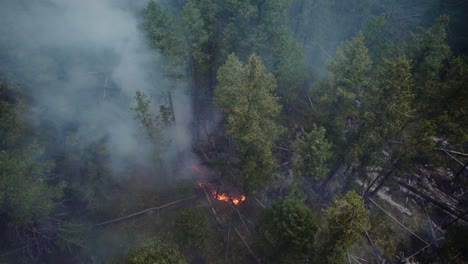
246	95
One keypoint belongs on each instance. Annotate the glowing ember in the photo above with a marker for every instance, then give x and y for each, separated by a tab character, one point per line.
221	196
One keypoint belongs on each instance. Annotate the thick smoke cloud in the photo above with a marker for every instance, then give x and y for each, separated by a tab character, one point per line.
82	61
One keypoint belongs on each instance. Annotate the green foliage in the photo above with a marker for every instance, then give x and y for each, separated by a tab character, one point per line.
143	114
166	115
379	39
194	33
389	112
182	39
390	108
246	94
439	77
160	29
373	29
288	63
191	227
162	33
349	70
429	50
346	219
239	31
155	252
452	118
436	81
312	154
25	193
349	91
151	124
286	231
88	172
396	90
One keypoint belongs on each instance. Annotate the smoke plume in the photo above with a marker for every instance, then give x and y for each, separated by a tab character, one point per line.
81	62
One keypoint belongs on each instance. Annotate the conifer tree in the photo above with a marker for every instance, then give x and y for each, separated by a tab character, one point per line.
246	95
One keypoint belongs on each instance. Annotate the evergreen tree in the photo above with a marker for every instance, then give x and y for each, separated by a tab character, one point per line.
246	94
393	113
195	35
26	193
286	232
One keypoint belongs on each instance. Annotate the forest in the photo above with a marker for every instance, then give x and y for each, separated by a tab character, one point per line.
234	131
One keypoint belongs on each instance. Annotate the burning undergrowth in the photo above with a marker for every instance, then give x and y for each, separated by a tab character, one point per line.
219	190
220	195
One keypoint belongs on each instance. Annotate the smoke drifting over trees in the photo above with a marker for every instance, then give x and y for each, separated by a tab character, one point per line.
233	131
81	63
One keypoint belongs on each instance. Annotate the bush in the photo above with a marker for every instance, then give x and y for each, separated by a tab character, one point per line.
191	228
286	231
154	252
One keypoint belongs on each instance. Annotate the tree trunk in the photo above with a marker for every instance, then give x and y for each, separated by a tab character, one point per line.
331	174
169	96
382	181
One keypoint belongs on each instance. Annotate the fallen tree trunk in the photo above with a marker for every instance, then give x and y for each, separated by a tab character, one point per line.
398	222
451	209
145	211
246	245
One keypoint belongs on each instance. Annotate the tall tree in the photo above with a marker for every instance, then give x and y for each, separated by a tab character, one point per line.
151	124
246	94
194	33
393	113
347	95
350	77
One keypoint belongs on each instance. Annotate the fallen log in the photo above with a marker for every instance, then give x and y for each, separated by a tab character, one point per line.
245	243
145	211
398	222
453	211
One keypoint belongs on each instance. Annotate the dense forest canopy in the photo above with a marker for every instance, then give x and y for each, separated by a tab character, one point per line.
233	131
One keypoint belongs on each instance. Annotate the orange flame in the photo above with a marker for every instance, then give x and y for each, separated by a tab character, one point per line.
222	196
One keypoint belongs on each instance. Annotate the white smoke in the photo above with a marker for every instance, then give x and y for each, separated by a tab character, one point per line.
82	62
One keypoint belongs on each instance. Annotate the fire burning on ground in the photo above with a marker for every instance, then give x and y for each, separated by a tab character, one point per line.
220	196
225	197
